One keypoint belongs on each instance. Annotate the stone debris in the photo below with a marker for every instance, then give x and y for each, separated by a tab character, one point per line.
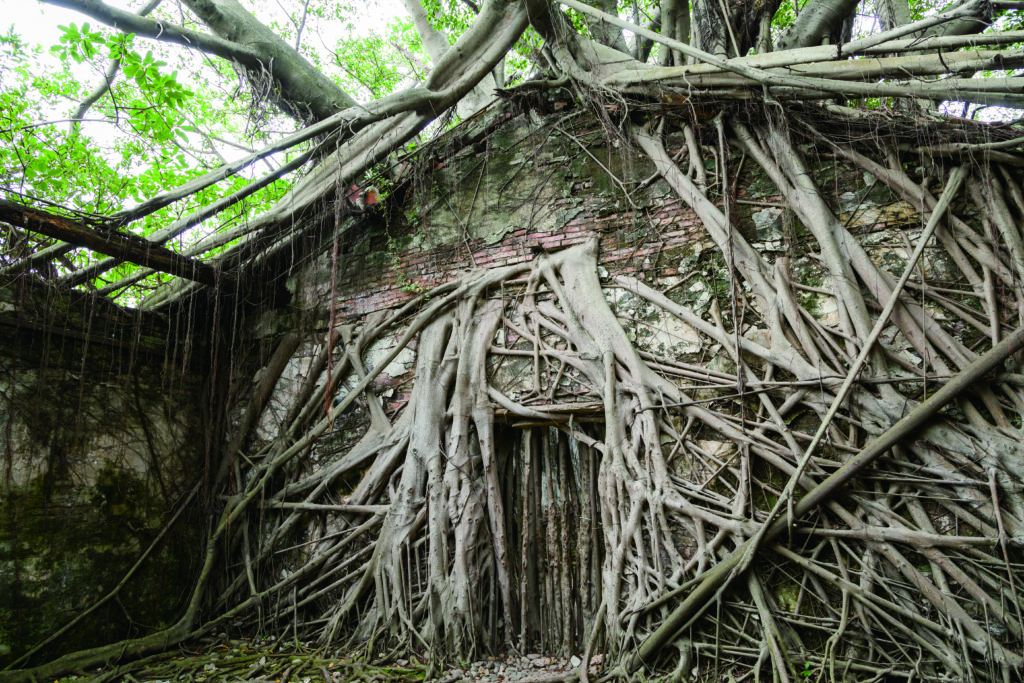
530	668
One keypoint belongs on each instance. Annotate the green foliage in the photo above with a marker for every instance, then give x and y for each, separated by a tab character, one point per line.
520	61
167	116
784	17
155	102
147	133
377	64
79	43
452	17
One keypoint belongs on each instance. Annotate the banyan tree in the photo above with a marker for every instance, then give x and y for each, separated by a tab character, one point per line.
828	484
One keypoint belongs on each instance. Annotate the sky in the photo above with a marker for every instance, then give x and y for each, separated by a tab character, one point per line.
36	22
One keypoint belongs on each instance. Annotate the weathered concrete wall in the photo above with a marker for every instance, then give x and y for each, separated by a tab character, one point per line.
100	436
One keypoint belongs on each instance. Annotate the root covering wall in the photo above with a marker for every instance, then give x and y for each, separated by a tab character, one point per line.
507	210
532	397
100	438
531	188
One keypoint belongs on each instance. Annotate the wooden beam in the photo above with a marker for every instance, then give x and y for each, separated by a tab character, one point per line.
120	245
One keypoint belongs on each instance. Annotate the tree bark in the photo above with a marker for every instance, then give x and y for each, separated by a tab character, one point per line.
304	92
123	246
272	66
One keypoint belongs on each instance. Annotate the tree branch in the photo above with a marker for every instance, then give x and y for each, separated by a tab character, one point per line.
1001	91
108	77
129	22
304	92
816	21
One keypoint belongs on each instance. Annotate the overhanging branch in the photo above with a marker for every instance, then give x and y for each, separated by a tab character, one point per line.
304	92
794	86
162	30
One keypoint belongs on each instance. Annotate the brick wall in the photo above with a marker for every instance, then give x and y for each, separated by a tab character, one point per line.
365	288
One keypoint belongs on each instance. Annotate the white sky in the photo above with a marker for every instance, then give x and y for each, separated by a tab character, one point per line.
37	23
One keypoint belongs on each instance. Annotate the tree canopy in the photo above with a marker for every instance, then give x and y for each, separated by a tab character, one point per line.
214	99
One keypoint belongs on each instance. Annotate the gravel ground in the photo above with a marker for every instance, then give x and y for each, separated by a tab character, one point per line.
531	668
263	660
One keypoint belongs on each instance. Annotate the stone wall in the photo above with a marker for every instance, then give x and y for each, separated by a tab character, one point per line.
100	437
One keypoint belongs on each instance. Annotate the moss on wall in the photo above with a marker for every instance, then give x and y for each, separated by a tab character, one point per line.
63	547
100	436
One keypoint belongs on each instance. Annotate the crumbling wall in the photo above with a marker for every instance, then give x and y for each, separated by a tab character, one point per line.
537	184
100	440
102	424
501	204
531	188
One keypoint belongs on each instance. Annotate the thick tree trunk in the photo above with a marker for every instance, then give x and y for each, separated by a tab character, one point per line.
817	21
274	69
